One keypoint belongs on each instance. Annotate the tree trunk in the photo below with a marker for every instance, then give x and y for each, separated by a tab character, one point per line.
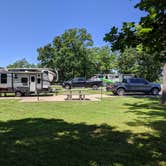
163	98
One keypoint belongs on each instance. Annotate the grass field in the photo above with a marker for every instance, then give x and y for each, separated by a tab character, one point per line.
122	131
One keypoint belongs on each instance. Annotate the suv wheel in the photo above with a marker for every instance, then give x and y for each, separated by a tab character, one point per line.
155	91
18	94
67	86
120	92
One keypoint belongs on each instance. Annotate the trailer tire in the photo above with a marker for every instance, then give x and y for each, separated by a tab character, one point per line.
18	94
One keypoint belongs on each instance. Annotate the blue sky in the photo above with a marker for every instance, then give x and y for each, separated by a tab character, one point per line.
26	25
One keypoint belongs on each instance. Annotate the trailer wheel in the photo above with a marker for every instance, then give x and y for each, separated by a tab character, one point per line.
18	94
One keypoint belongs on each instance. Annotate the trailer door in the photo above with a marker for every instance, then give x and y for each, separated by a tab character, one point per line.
32	83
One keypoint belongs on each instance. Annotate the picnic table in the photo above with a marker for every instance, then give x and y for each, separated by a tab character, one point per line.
76	94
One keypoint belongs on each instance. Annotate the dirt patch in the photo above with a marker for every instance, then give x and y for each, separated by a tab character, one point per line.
94	97
61	98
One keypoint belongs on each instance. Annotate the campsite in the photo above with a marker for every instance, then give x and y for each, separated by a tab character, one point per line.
83	83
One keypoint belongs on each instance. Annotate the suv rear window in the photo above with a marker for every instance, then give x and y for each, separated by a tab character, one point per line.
141	81
133	80
138	81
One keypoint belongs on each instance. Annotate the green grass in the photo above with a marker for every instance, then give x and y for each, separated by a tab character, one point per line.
120	131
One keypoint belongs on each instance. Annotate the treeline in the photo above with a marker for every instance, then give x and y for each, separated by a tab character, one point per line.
73	54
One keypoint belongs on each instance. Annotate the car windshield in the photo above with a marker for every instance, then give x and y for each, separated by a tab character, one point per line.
78	79
138	81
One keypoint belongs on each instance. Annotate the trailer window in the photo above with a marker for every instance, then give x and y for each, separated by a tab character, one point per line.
3	78
24	80
15	76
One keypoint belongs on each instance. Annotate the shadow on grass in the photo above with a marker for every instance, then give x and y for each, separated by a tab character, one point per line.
153	115
51	142
152	105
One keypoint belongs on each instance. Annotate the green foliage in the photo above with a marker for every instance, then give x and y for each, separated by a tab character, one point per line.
139	63
23	63
126	38
149	37
72	54
104	60
68	53
150	33
128	62
46	56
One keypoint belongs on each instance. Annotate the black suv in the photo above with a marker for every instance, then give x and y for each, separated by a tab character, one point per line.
82	82
134	85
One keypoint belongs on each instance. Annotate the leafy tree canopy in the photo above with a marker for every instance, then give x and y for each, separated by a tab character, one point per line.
148	35
68	53
23	63
132	61
104	60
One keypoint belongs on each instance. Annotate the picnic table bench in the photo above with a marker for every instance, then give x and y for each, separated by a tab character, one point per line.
75	94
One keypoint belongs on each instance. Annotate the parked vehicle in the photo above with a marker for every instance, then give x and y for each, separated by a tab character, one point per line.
134	85
26	81
82	82
112	78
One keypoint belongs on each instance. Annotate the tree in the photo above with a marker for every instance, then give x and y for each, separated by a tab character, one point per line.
104	60
69	53
46	56
139	63
149	34
23	63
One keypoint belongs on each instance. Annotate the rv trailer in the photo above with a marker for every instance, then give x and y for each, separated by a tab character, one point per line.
26	81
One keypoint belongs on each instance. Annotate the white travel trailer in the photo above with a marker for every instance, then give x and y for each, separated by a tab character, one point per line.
25	81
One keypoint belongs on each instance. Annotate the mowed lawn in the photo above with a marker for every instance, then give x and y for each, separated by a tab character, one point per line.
122	131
